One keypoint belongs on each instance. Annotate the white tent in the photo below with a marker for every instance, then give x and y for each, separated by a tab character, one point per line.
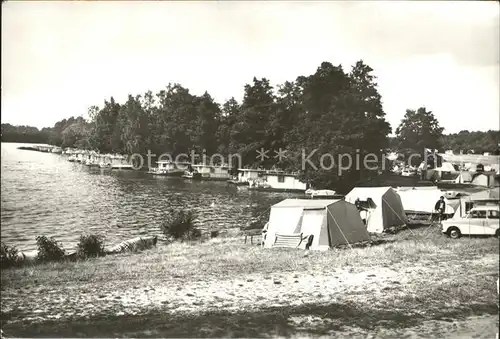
464	177
330	222
446	167
383	205
423	201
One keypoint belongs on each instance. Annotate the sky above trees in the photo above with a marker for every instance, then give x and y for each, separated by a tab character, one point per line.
60	58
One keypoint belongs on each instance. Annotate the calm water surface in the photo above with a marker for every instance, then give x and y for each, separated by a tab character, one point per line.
44	194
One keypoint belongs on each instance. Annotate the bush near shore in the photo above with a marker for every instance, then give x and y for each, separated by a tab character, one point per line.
177	226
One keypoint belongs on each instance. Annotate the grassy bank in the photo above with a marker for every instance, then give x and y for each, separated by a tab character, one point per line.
223	287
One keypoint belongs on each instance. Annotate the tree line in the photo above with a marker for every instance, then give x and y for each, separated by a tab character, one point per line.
333	111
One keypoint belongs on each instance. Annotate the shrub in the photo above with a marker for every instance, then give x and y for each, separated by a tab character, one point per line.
90	246
8	256
214	234
179	225
49	249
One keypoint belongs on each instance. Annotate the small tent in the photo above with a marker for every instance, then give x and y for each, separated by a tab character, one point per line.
382	207
330	222
484	179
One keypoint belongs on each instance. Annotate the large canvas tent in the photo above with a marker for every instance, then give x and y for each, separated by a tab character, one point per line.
383	207
330	222
424	201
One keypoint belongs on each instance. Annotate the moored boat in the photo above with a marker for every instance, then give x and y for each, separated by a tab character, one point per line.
191	175
169	168
245	176
322	194
237	182
277	181
105	165
122	166
213	172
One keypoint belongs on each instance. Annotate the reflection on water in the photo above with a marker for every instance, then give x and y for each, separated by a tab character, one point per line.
43	194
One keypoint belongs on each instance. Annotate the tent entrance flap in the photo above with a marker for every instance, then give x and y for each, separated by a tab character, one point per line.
314	223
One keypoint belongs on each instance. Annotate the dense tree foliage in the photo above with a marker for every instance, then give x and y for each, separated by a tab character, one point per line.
466	142
477	142
26	134
331	112
418	130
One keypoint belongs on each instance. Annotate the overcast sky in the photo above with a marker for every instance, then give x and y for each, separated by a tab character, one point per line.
60	58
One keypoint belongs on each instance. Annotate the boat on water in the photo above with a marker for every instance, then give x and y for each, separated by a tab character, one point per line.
57	150
268	180
105	165
236	182
191	175
114	162
212	172
170	168
91	163
277	181
322	194
246	176
122	166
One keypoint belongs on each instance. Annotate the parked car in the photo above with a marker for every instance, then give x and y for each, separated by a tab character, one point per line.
481	220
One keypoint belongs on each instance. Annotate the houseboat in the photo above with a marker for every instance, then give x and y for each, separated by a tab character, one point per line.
209	172
191	174
170	168
279	181
115	161
245	176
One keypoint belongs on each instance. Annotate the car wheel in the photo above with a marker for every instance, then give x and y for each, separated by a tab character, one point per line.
454	233
497	233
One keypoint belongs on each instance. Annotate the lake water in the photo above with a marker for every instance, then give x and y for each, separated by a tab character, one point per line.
44	194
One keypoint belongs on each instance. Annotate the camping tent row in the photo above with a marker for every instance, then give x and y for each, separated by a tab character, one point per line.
336	222
340	222
385	207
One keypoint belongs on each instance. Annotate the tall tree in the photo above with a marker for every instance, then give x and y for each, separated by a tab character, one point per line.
206	124
77	134
418	130
229	116
106	131
249	133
